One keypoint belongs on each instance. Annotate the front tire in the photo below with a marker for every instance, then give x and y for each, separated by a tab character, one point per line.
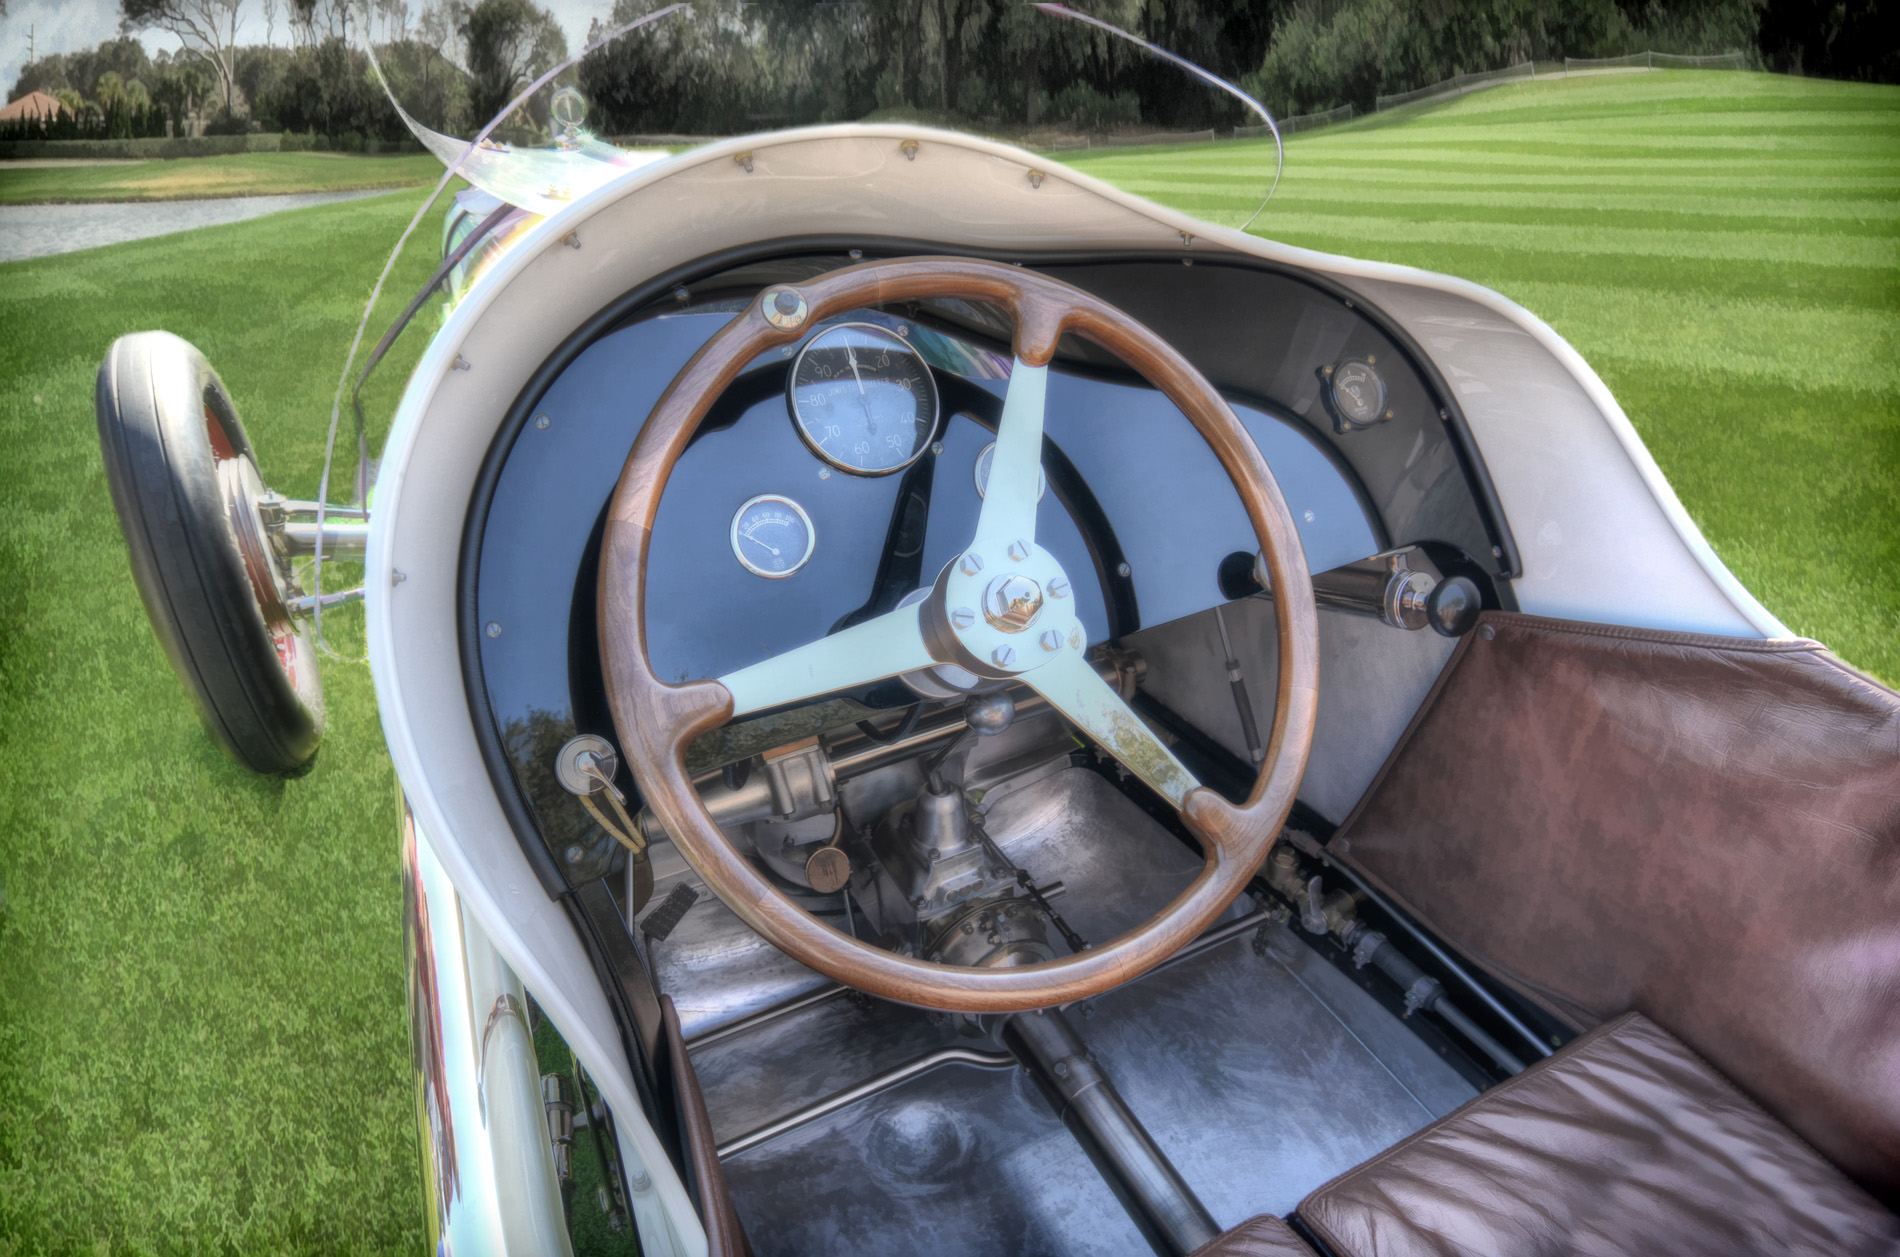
185	482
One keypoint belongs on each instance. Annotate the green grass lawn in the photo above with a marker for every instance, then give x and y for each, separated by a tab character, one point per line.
202	1040
244	174
1723	248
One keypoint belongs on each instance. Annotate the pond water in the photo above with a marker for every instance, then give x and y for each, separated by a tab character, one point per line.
31	231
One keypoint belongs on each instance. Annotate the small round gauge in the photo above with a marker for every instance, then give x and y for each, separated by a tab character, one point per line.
772	536
982	473
1358	392
863	400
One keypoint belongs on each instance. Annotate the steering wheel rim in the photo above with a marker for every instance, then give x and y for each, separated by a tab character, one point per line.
656	721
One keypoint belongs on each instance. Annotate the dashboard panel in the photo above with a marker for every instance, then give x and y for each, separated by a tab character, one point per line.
1135	495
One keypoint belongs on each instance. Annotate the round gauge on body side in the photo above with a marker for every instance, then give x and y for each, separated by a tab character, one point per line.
980	472
772	536
1357	392
863	400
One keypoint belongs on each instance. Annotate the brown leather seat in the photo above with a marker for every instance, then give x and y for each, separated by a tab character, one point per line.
1262	1236
1623	1142
1703	829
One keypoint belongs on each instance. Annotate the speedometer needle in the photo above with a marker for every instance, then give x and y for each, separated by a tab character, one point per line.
851	355
755	541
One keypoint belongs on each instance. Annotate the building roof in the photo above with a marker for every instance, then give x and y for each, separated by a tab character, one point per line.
32	105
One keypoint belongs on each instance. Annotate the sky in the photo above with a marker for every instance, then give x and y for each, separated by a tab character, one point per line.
69	25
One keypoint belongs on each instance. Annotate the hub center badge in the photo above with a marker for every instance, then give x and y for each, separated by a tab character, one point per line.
1012	603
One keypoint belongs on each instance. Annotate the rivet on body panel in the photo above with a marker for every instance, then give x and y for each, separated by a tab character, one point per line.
460	364
744	159
910	148
1035	178
572	240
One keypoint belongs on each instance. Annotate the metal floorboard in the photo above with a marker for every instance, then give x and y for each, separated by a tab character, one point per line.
1251	1082
1259	1069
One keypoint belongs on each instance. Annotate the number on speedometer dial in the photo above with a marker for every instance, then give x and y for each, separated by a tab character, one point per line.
863	400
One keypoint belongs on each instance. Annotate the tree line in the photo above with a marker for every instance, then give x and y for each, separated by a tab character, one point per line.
1000	63
727	66
322	84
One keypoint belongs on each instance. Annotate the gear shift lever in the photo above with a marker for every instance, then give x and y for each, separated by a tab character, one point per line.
985	715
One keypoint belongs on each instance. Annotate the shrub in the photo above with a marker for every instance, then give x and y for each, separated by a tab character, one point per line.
1092	110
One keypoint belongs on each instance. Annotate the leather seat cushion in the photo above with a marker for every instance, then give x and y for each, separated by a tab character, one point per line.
1623	1142
1262	1236
1705	829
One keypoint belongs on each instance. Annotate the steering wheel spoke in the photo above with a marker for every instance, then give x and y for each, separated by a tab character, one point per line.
1009	498
1075	689
867	652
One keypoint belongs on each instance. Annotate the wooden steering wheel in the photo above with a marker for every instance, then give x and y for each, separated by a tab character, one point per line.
1003	609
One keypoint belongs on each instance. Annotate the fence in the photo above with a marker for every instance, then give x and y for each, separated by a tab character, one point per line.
1300	122
1658	61
662	141
183	146
1459	84
1154	137
160	148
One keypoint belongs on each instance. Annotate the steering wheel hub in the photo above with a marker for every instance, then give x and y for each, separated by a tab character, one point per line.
1012	603
976	615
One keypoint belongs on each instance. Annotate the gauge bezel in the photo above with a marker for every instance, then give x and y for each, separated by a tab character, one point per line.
978	479
779	499
798	420
1344	421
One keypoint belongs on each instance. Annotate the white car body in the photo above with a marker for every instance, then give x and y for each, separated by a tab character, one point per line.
1602	537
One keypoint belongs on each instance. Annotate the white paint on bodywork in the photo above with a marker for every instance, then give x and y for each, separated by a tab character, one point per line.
1600	533
842	182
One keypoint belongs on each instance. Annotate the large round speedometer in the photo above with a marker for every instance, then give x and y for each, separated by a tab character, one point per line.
863	400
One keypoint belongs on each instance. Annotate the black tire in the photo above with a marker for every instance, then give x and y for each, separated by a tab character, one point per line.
167	428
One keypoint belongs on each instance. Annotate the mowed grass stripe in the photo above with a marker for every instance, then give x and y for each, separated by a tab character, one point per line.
1788	345
1827	289
240	174
1784	248
1723	248
1871	162
1870	220
1676	93
1665	182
